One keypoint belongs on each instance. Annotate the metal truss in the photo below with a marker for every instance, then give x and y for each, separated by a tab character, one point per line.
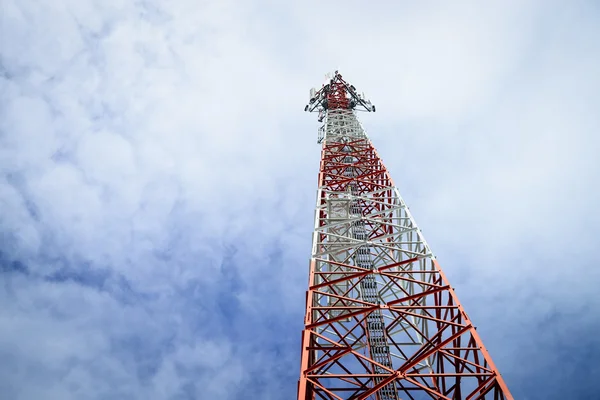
382	321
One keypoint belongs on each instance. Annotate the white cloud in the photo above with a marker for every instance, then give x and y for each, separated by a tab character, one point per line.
160	143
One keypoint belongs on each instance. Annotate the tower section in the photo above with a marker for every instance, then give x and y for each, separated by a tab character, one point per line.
382	322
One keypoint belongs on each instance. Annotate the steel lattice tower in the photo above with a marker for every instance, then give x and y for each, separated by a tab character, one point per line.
382	321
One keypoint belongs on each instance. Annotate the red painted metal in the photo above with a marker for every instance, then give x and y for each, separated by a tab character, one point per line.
336	95
337	360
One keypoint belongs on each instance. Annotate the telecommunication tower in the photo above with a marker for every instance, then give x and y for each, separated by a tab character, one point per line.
382	322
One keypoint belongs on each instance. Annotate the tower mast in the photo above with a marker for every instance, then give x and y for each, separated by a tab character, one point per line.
382	321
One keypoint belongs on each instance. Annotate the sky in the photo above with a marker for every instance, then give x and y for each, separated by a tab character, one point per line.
158	179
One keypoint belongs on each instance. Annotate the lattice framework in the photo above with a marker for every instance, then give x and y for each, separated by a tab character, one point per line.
382	321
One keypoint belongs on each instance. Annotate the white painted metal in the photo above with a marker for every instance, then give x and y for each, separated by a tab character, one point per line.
348	240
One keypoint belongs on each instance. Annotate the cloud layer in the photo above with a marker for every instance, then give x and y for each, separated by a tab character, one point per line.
158	177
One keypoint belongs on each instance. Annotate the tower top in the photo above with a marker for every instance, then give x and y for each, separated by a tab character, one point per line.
337	94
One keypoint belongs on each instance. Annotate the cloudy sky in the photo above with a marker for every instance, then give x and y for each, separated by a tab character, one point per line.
158	179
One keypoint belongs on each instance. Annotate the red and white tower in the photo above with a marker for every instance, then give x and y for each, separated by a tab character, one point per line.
382	322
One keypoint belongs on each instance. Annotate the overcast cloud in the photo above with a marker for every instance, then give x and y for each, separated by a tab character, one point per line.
158	179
